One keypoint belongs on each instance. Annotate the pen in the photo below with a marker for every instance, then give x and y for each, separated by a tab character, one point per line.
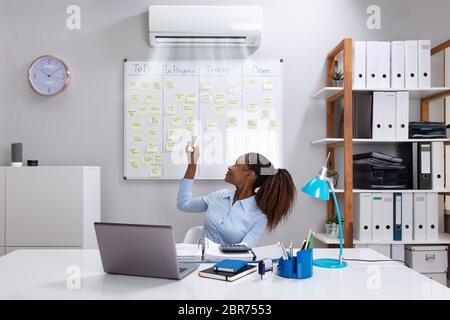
291	249
284	250
283	253
303	244
312	238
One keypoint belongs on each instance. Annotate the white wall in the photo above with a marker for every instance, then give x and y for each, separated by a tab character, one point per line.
83	126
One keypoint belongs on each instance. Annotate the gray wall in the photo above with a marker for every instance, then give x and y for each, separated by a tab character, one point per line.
83	126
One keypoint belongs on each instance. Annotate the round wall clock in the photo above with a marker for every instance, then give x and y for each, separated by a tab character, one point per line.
48	75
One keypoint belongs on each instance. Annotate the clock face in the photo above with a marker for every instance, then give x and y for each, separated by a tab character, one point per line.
48	75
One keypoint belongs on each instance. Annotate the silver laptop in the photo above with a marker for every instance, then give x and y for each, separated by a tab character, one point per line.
140	250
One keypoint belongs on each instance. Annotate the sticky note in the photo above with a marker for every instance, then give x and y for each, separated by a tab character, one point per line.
155	171
154	119
152	147
219	98
190	120
155	110
268	101
219	110
138	139
188	110
170	146
172	134
132	113
133	84
134	164
252	107
171	84
252	124
149	98
153	133
142	111
136	126
267	84
249	83
134	98
158	159
266	113
179	97
176	121
191	97
148	159
233	87
206	98
232	103
171	109
211	125
273	124
232	122
133	152
205	85
146	84
157	85
191	129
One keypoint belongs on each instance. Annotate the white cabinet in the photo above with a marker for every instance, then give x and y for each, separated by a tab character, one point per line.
2	251
51	206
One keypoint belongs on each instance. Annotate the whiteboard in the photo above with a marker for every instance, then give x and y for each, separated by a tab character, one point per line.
232	106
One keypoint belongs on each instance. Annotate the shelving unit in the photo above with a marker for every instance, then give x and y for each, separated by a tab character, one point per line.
333	94
444	238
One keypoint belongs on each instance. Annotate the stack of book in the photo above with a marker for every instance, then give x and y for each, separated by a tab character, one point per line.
427	130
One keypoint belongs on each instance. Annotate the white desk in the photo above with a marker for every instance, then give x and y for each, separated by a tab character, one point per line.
42	274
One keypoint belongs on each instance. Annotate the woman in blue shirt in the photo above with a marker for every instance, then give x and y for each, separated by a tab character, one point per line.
262	198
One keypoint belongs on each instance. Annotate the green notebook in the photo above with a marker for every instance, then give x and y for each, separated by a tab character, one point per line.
226	276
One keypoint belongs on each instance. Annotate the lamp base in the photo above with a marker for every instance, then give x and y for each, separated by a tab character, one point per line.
329	263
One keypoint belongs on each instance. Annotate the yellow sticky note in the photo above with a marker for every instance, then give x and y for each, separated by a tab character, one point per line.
134	164
252	124
138	139
179	97
146	84
252	107
273	124
158	159
152	147
172	135
154	119
205	85
149	98
211	125
219	109
157	85
249	84
142	111
233	87
219	98
148	159
267	84
134	98
136	126
206	98
191	97
232	122
153	133
190	120
266	113
171	109
132	113
133	84
133	152
191	129
170	146
268	101
155	110
232	103
155	171
171	84
188	109
176	121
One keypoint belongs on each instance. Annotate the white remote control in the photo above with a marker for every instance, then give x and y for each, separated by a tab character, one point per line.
192	144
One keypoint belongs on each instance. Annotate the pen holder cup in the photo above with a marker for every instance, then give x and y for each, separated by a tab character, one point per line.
298	267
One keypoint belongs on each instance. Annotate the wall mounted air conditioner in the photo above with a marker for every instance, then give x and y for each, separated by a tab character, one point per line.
229	26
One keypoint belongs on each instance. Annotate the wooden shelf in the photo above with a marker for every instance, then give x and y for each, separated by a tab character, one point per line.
443	238
416	93
325	141
339	191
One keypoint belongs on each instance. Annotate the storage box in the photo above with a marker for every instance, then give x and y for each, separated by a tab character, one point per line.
438	277
426	259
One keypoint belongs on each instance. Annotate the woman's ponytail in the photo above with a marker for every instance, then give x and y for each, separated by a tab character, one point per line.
276	190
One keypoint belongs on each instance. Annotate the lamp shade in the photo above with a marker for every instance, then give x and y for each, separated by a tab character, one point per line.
317	188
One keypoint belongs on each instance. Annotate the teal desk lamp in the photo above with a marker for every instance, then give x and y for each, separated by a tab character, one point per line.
319	187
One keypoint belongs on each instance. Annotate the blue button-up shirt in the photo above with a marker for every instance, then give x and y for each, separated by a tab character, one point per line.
225	223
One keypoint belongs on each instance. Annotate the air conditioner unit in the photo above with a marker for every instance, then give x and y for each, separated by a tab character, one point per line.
231	26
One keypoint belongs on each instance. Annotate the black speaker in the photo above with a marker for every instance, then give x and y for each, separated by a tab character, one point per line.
16	154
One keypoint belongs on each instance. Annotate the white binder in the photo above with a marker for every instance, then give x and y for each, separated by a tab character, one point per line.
372	64
378	115
389	115
377	216
388	217
411	79
402	115
424	63
437	165
362	218
407	216
447	165
384	64
432	216
419	216
359	64
398	64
